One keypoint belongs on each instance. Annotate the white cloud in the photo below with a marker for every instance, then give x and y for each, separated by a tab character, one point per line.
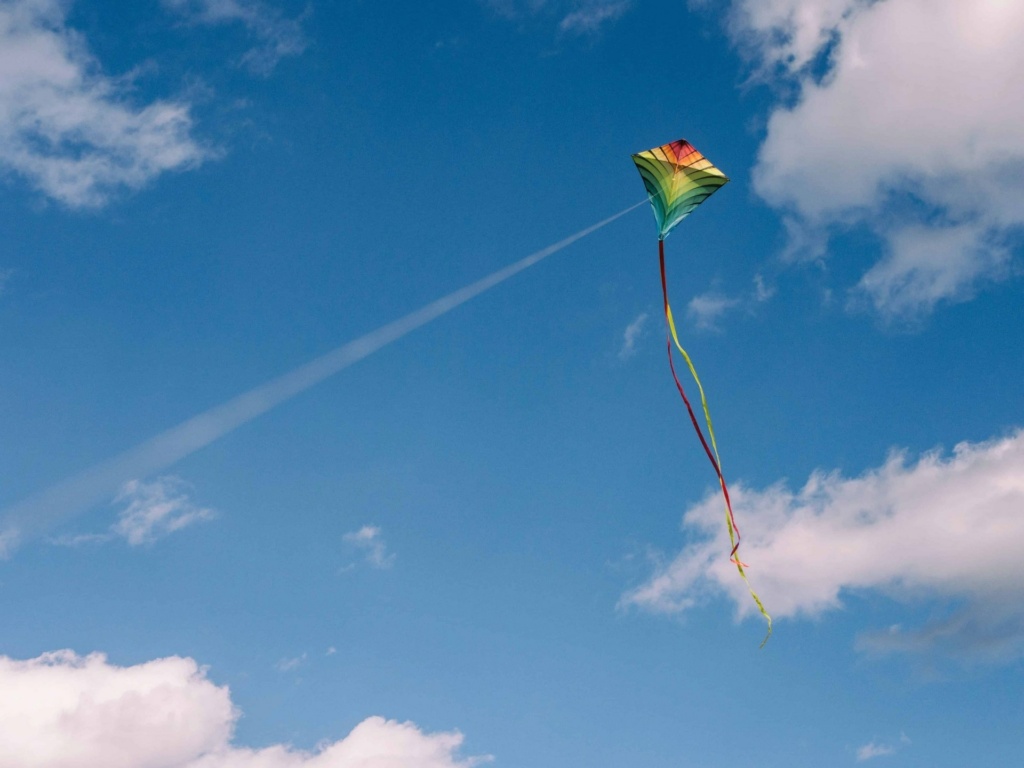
151	511
788	34
874	749
71	131
370	542
289	665
576	17
946	528
705	310
65	710
905	120
762	291
592	16
926	264
61	710
279	36
156	509
630	336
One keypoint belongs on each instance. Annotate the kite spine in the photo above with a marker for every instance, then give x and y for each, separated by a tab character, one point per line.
712	451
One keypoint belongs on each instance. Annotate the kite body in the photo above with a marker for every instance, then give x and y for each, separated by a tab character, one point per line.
678	178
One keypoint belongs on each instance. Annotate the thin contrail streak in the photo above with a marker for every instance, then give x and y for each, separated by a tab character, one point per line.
40	513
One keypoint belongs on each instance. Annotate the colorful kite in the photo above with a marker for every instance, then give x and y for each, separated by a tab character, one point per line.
678	179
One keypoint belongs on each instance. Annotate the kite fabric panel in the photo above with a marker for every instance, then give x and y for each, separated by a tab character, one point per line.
678	178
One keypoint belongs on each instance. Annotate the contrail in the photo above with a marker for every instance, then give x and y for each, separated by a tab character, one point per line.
40	513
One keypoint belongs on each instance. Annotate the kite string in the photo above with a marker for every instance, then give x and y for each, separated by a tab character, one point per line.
715	459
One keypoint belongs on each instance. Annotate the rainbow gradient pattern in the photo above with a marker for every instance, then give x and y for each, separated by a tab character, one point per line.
678	179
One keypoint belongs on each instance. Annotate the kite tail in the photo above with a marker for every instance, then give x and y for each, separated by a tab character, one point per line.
712	451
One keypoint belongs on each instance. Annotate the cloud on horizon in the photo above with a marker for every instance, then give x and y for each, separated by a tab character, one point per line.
943	528
62	710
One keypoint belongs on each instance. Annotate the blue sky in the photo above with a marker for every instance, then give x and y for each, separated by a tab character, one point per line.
496	537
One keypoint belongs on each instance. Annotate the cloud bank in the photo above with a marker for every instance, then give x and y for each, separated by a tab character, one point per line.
906	120
72	132
61	710
943	527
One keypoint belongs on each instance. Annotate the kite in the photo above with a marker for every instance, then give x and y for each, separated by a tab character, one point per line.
678	178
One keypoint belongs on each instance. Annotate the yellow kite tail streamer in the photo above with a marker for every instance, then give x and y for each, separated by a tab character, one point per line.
716	461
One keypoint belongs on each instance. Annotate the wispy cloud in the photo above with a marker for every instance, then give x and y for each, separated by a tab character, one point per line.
154	510
5	276
290	665
573	17
76	711
923	265
278	35
941	528
874	749
881	749
762	291
630	336
856	148
705	310
370	542
591	17
150	511
70	131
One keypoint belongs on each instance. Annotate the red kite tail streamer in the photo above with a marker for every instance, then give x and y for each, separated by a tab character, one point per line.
712	450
